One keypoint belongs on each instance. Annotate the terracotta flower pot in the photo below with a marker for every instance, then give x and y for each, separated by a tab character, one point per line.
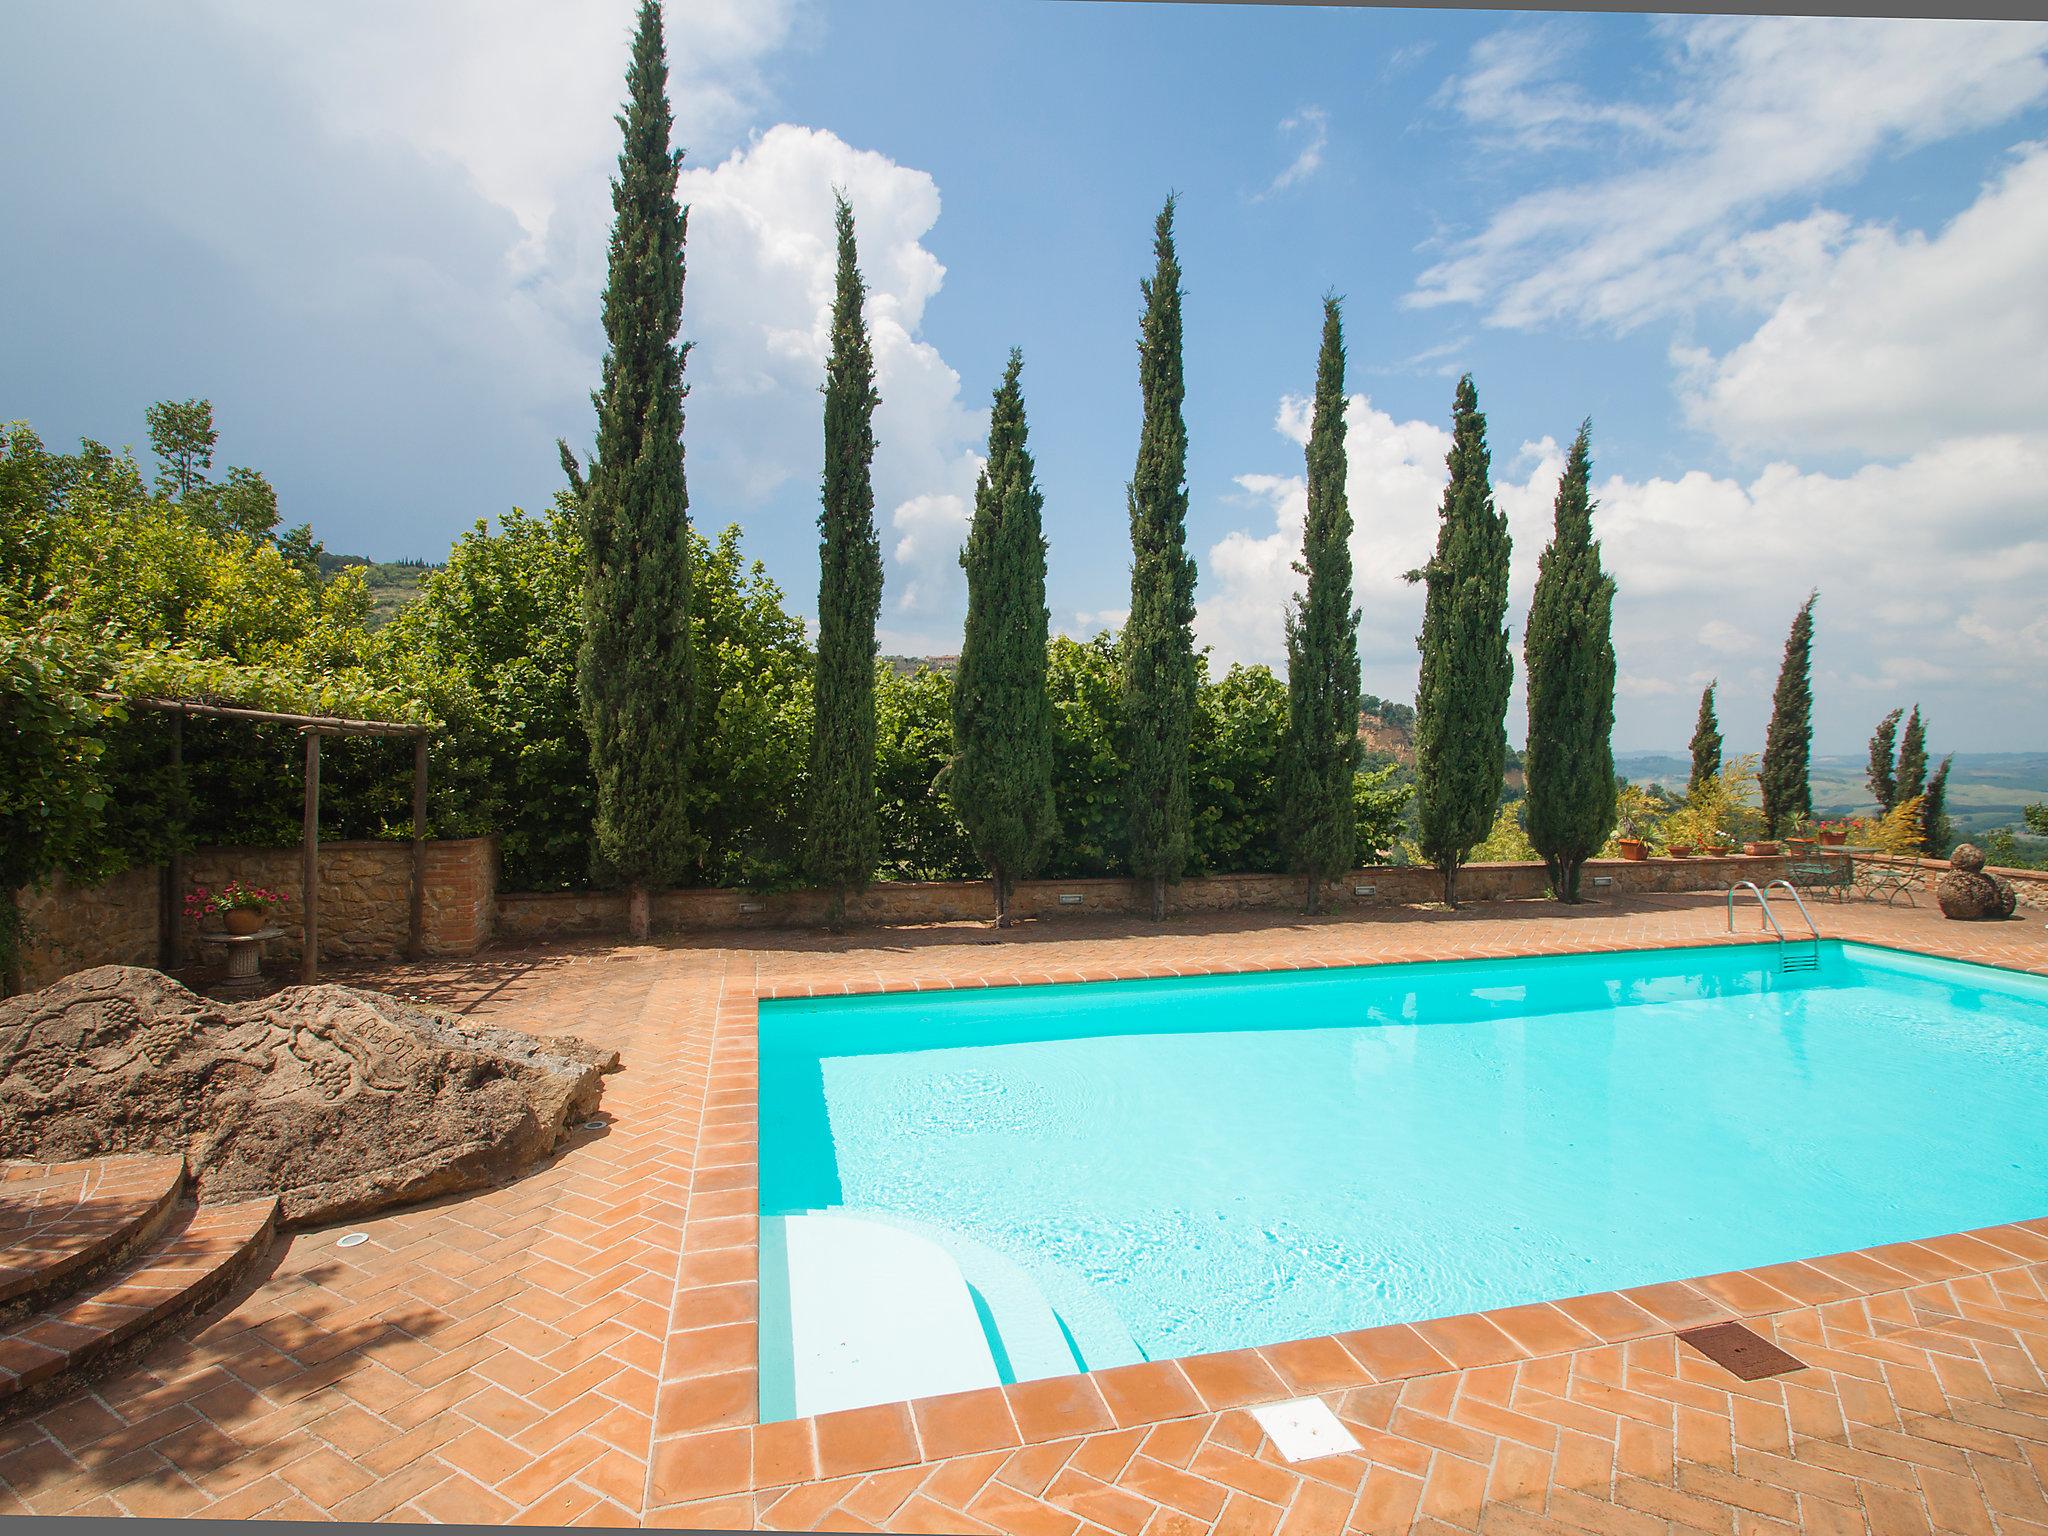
1759	850
1721	850
244	919
1681	850
1833	839
1632	848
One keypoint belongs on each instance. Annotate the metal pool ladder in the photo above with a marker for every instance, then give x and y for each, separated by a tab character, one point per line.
1789	958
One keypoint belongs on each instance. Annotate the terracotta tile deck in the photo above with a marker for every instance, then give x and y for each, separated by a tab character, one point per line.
579	1347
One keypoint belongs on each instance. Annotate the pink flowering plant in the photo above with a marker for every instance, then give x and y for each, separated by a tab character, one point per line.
201	902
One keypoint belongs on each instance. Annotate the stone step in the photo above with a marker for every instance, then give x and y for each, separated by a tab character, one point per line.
60	1223
201	1252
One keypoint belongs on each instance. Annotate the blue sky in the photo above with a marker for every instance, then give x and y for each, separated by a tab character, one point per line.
1791	269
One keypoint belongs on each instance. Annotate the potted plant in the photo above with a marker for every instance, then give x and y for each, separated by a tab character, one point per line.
1832	834
1635	815
1680	850
243	908
1760	850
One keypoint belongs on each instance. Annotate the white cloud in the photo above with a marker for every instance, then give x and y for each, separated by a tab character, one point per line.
1763	109
762	254
1313	125
1710	570
1890	341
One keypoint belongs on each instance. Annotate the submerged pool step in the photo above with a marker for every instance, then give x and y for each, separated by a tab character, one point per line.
861	1307
1048	1325
860	1314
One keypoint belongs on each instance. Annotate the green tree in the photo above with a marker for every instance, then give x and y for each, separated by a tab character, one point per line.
1937	833
1788	740
1880	775
1321	755
1461	699
1236	760
920	835
635	670
1160	671
1001	778
1706	741
182	436
1084	679
1911	774
842	835
1569	649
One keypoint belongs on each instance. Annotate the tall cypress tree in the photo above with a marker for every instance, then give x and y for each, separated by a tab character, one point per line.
1880	775
1001	775
1935	830
1706	741
1911	777
1461	698
1788	741
1321	751
842	833
1160	672
1569	651
636	673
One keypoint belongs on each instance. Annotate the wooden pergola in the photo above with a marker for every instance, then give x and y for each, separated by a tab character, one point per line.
312	727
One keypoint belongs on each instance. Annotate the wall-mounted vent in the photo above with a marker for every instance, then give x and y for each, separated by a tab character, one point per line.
1600	880
1070	898
752	906
1365	890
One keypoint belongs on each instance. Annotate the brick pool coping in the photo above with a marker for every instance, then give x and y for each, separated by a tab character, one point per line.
712	1463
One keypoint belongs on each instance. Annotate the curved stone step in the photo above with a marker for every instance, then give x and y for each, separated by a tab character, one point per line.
203	1250
61	1222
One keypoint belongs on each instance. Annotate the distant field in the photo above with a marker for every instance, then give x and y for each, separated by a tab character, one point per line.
1985	789
392	584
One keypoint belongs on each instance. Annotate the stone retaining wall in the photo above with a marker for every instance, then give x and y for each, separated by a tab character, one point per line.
365	906
539	918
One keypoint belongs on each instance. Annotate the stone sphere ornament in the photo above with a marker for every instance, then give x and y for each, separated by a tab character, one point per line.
1966	893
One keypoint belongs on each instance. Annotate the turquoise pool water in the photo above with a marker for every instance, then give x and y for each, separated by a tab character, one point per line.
1204	1164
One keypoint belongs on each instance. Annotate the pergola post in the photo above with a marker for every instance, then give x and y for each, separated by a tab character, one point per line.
416	924
309	876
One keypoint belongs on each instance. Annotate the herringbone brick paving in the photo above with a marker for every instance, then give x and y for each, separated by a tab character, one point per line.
578	1347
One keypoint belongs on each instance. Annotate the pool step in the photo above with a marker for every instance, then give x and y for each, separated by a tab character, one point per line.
867	1314
1046	1324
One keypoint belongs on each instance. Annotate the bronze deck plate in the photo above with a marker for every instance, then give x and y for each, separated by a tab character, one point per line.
1741	1352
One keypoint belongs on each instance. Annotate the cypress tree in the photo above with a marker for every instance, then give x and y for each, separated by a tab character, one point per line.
636	670
1934	824
1883	781
1321	751
1911	778
1159	667
1569	650
842	834
1706	741
1461	698
1001	776
1788	740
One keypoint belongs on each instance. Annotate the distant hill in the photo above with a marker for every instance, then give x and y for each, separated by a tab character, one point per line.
392	583
1985	789
907	666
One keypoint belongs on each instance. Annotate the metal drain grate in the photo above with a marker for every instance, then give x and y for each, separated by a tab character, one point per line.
1741	1352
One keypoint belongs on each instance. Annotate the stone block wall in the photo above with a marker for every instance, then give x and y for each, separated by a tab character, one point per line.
365	906
535	919
73	927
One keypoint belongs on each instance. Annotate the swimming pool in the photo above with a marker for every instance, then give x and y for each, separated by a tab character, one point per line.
966	1188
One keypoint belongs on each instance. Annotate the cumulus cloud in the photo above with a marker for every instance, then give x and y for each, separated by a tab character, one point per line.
1710	569
1889	341
1758	110
762	257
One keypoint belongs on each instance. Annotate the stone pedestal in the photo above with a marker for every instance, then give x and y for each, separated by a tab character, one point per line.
244	955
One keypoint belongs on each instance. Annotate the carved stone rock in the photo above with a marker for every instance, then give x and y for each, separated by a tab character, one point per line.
337	1100
1967	857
